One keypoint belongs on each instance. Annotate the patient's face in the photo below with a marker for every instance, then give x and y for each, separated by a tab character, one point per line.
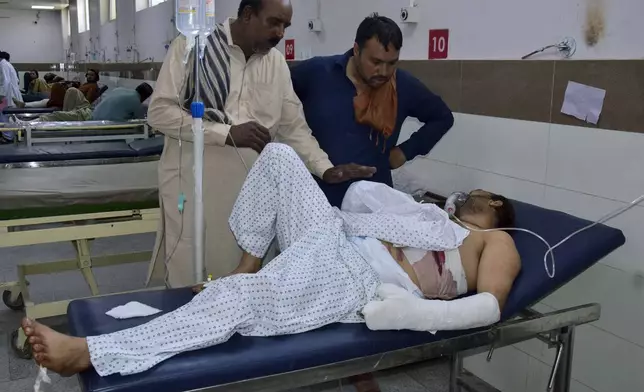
375	63
479	201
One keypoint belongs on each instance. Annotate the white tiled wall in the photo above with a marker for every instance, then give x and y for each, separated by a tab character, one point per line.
588	173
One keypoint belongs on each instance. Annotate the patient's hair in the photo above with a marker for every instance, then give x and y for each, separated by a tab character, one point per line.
385	30
504	213
144	90
255	5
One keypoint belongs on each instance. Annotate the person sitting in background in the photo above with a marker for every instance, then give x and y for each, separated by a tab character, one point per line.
37	85
90	89
121	104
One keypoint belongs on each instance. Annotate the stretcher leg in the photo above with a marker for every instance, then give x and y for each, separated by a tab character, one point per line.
85	264
564	370
456	368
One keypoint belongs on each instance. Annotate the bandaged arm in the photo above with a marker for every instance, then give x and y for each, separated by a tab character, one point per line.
399	309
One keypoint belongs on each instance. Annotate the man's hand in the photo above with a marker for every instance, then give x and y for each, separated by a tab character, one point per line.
249	135
351	171
397	158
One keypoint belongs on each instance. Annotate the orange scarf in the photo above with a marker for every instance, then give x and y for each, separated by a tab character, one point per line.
377	108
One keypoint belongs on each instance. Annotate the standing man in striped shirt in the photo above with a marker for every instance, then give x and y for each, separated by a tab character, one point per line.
246	87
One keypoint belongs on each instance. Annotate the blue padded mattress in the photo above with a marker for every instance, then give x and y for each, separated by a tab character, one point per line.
244	358
29	110
51	152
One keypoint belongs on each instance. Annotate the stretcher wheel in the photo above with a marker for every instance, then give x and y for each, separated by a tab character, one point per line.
25	351
17	304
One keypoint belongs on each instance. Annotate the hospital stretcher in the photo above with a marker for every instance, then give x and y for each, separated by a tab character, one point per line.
40	205
77	131
341	350
21	111
17	155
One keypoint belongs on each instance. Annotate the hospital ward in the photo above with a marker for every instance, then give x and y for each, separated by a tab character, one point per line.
321	196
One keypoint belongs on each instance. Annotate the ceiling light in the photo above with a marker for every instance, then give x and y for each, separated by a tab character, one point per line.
42	7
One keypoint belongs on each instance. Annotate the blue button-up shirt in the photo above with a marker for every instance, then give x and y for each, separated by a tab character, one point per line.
327	95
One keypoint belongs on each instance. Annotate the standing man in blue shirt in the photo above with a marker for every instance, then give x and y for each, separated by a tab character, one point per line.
356	103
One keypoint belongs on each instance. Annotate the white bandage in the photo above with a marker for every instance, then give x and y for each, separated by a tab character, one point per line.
399	309
40	378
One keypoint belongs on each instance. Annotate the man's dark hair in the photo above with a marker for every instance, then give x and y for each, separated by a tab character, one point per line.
504	213
256	5
49	77
5	56
385	30
98	77
144	90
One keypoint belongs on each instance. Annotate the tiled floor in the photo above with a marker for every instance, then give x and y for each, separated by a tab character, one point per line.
17	375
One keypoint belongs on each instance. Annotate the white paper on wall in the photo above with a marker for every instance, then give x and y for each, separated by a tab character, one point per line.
583	102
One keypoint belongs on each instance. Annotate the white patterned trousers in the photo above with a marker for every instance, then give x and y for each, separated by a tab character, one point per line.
318	278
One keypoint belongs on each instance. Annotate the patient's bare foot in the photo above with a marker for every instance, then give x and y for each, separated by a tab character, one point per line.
19	104
365	383
65	355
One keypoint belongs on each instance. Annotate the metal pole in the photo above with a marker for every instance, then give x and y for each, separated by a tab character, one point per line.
456	368
198	142
564	372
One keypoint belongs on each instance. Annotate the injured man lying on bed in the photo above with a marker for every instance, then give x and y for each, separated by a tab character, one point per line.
334	266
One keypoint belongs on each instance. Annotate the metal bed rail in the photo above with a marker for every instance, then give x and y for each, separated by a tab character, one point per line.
560	325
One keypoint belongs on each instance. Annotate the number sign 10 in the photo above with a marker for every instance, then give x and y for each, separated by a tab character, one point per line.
438	44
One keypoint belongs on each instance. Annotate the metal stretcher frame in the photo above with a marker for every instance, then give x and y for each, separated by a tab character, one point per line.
80	229
66	130
557	329
52	202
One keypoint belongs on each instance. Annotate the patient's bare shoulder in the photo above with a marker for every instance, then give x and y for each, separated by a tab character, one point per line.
499	266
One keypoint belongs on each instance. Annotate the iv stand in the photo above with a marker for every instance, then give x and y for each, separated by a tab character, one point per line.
197	109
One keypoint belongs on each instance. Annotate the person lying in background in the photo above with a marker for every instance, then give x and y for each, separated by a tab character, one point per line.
370	99
121	104
56	99
90	88
319	278
49	78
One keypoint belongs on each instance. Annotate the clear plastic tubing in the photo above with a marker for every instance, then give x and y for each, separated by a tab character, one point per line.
195	19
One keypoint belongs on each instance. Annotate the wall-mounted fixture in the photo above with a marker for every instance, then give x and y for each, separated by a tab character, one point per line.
315	25
566	48
410	14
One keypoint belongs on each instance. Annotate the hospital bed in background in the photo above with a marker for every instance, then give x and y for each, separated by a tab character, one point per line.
342	350
28	114
77	131
49	202
50	154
